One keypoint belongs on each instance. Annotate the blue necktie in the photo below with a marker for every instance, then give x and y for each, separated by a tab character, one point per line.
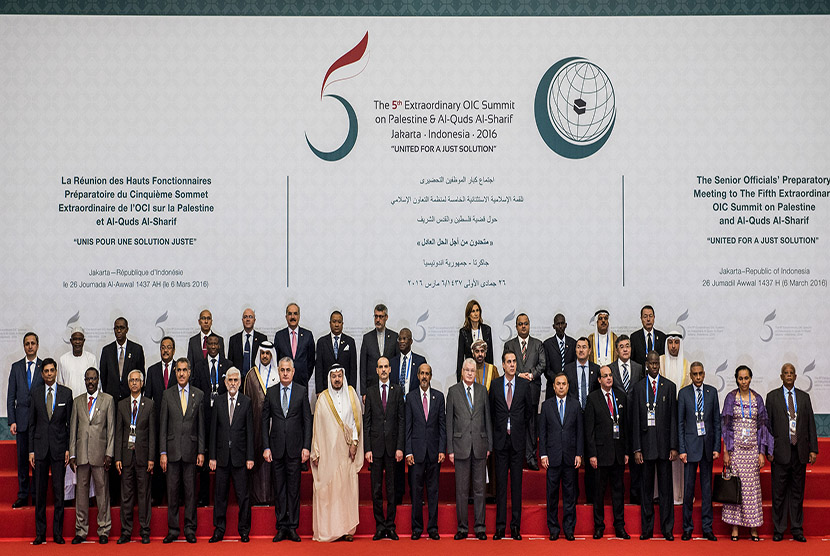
246	361
562	411
699	404
336	345
29	374
402	373
469	399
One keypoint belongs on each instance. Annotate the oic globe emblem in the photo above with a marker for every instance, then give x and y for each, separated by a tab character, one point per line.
575	108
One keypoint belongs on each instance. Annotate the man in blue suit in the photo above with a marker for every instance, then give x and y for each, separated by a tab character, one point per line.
426	447
23	377
561	447
297	343
698	427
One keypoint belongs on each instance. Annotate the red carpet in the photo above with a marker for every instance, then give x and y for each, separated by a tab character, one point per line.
19	524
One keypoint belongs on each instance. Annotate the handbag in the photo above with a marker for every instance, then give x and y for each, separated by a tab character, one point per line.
726	488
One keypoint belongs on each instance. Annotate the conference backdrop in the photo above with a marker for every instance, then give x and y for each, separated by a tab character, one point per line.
154	167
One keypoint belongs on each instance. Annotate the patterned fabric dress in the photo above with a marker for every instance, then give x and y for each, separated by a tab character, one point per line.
742	436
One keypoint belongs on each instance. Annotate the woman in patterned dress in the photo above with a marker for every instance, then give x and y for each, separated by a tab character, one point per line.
746	440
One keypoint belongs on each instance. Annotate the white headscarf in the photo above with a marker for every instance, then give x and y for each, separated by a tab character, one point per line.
602	347
674	368
263	372
342	401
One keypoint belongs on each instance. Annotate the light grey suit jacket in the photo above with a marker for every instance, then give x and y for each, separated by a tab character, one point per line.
536	361
469	434
92	440
634	369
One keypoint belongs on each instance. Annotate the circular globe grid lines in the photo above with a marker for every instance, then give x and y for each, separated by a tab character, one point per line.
587	82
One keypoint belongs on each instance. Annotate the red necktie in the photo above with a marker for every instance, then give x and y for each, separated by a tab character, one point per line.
509	394
135	408
166	374
383	397
204	347
89	404
610	404
654	389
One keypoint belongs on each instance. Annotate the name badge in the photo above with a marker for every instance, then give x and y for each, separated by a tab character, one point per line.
792	427
745	433
616	431
652	419
701	428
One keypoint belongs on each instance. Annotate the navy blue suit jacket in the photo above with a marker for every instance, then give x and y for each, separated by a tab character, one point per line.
425	438
553	359
19	396
236	350
395	364
111	382
561	441
696	447
50	436
519	413
305	359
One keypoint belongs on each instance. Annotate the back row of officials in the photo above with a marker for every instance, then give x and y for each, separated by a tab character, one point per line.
606	430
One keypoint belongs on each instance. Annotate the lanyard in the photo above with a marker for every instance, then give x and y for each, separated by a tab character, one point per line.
134	418
787	401
268	377
749	404
614	415
702	404
408	369
653	404
92	407
607	336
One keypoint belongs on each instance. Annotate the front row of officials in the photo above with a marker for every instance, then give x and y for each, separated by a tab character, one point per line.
652	422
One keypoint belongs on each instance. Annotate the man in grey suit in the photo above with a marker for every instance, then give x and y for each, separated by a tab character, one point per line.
91	447
469	443
698	432
182	446
378	342
530	365
627	373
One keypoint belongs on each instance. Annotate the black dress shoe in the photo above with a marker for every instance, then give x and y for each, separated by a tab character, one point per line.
190	537
244	538
645	536
669	536
686	536
103	539
415	536
554	536
499	535
392	535
482	536
799	538
77	540
216	537
709	536
58	539
38	540
292	535
145	539
122	539
569	537
379	535
622	534
435	536
201	503
280	536
598	533
532	465
20	503
777	537
515	535
170	538
460	536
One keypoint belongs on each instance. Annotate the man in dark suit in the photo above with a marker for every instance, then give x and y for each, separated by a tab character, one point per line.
197	346
426	445
297	343
561	446
286	436
510	409
654	443
231	454
559	351
606	447
793	426
25	375
209	377
160	377
648	338
530	365
698	435
378	342
384	430
118	359
332	348
243	346
469	443
135	449
627	373
583	377
49	416
182	446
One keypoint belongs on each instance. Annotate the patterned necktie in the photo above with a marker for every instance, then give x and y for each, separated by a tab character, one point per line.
135	409
626	377
293	344
120	360
653	391
561	410
29	374
50	403
285	401
699	402
509	394
231	410
402	373
426	407
166	374
246	357
383	397
791	404
583	394
470	398
336	345
524	351
89	404
562	353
